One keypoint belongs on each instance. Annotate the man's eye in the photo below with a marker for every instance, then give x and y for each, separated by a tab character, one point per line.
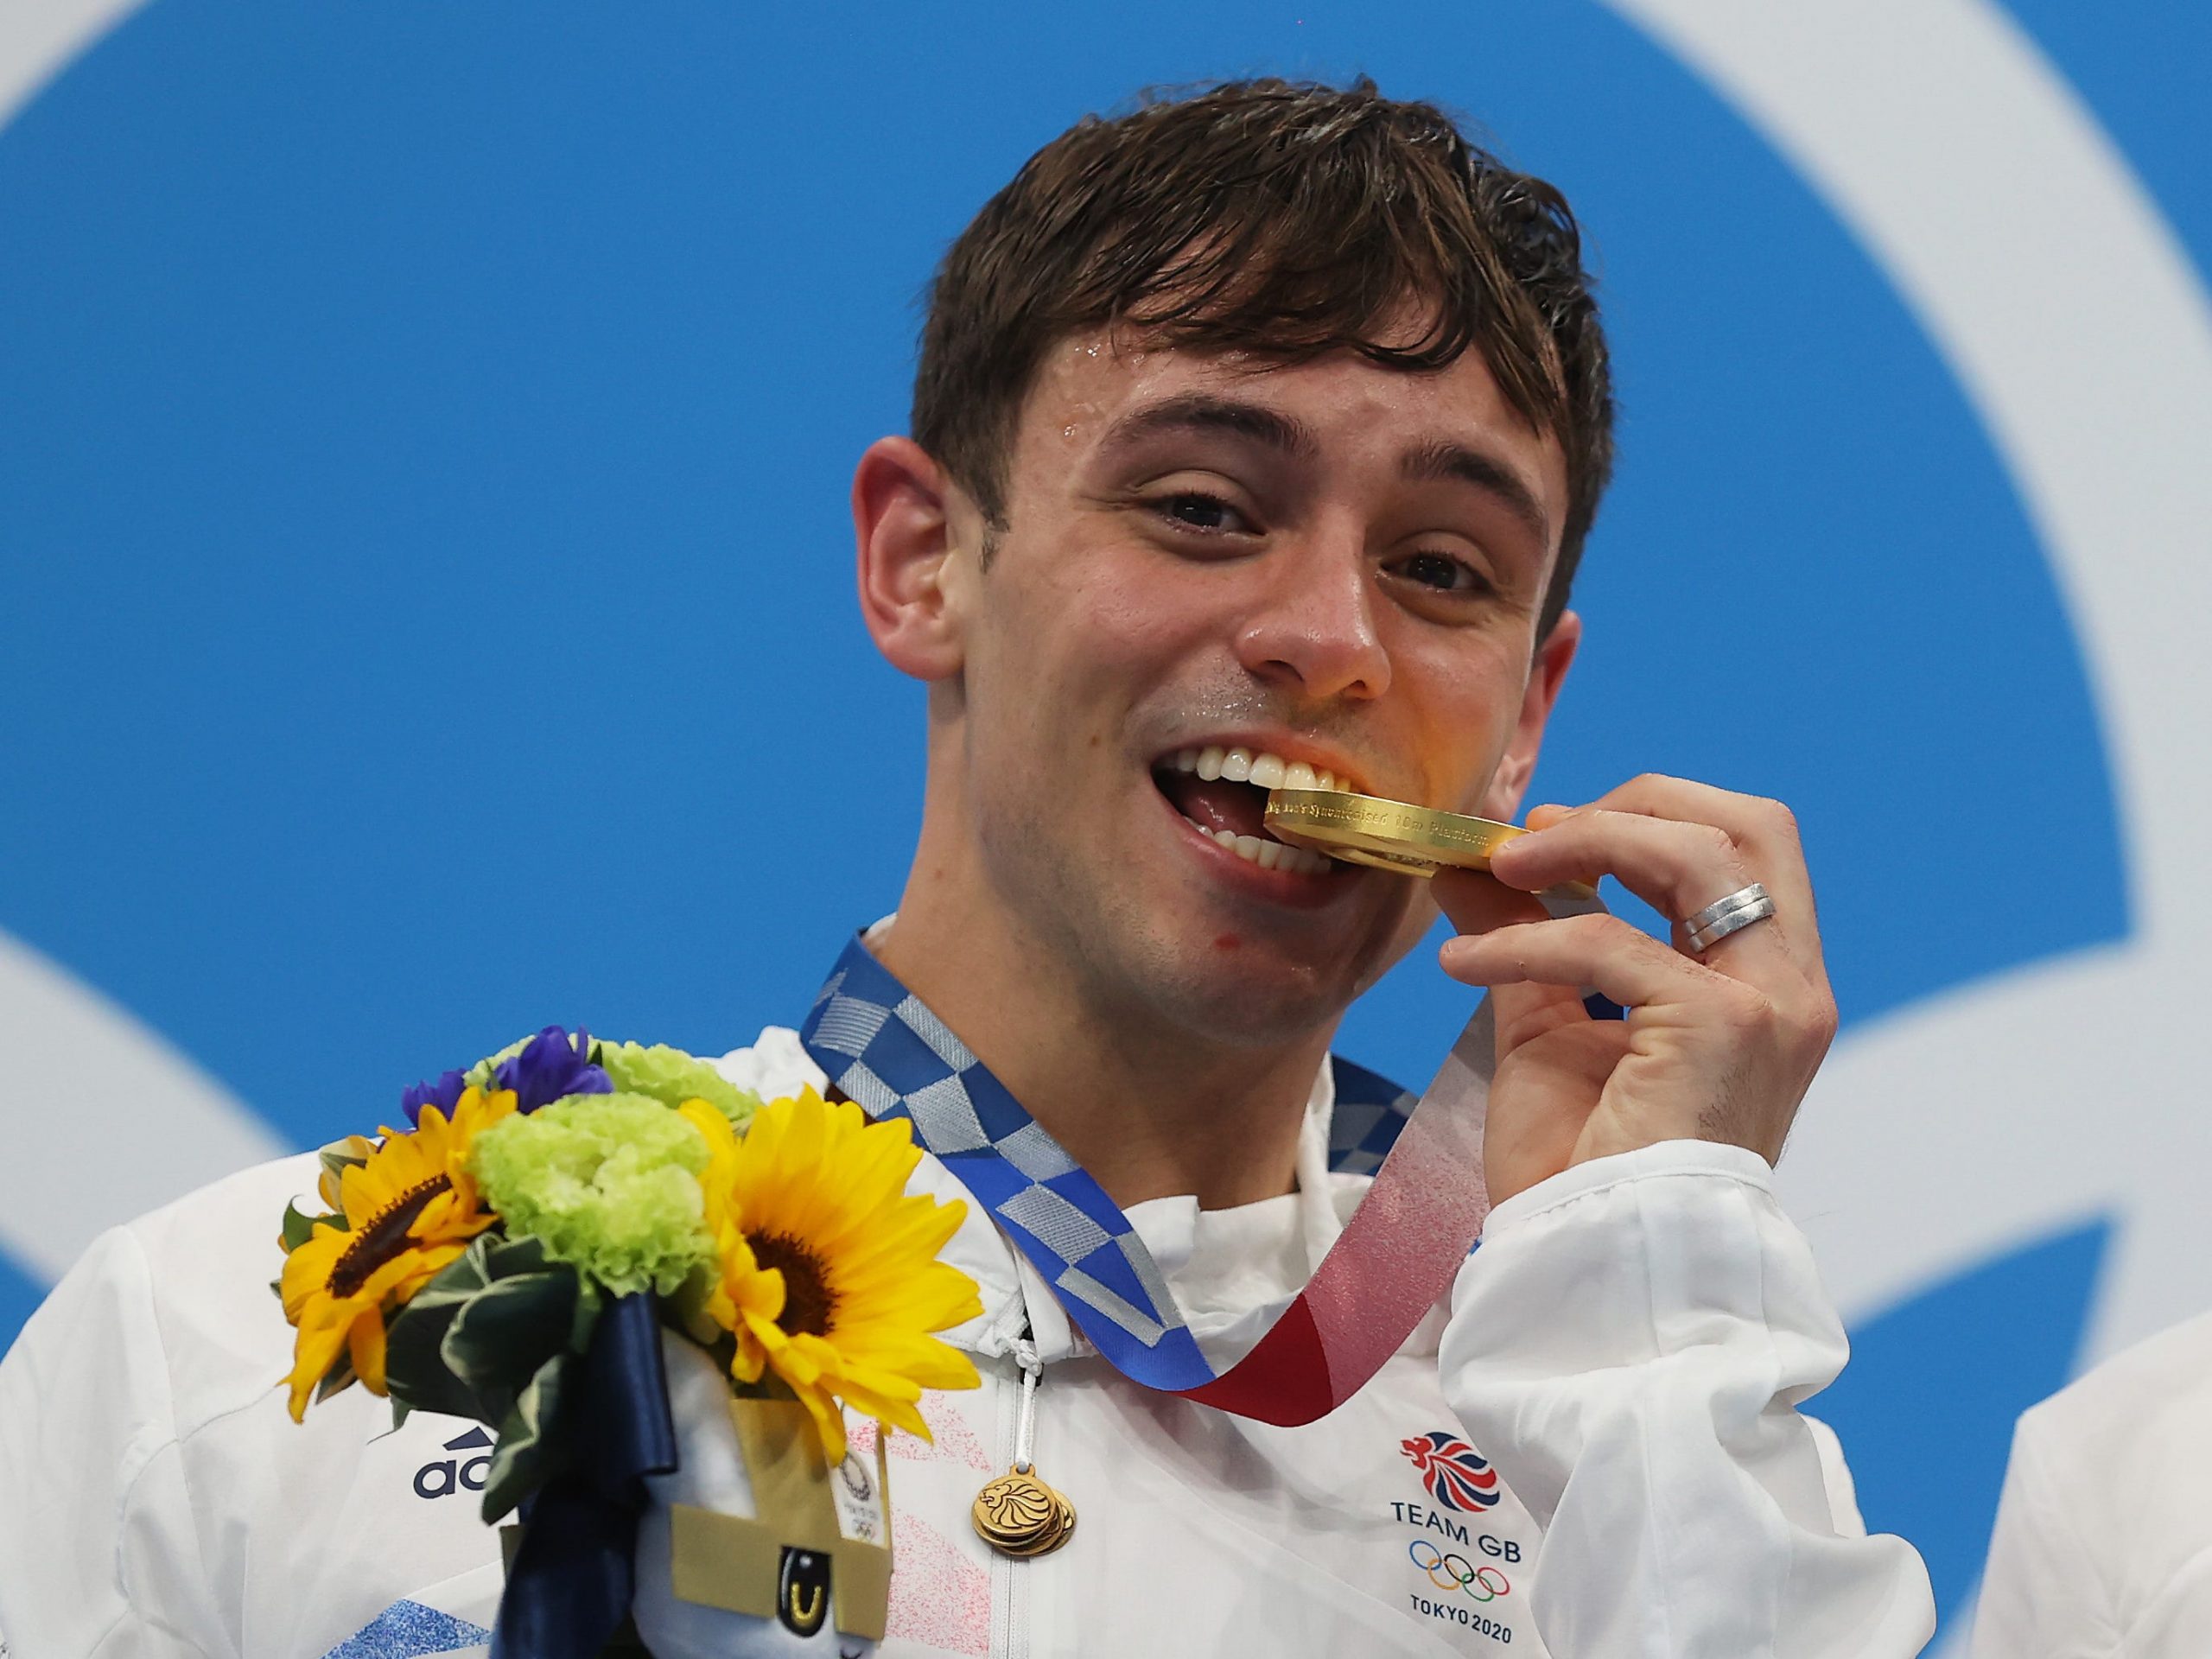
1201	511
1441	572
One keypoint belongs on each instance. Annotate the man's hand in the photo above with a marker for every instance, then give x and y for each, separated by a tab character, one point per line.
1720	1047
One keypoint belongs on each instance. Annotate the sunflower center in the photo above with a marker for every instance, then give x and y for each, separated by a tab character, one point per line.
382	1236
809	1304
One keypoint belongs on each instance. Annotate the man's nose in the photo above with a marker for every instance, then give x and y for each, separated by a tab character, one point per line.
1313	622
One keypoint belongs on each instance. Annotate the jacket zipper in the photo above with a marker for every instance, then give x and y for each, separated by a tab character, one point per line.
1009	1576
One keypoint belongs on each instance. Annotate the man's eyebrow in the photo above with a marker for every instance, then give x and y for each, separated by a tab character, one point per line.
1202	411
1442	459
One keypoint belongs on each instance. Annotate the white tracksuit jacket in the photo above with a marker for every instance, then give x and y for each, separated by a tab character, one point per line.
1629	1348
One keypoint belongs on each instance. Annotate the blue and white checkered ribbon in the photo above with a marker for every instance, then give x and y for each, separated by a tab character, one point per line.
881	1045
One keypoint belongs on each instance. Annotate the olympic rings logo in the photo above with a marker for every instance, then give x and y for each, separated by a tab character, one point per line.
1457	1572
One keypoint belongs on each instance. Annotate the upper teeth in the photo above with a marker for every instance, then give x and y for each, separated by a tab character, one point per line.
1265	769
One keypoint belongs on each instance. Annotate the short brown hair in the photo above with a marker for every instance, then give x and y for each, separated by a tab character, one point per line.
1280	218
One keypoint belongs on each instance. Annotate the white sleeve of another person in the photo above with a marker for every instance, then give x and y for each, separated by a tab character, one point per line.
2042	1594
99	1550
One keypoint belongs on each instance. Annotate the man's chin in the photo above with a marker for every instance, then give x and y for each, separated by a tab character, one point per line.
1258	978
1234	994
1173	945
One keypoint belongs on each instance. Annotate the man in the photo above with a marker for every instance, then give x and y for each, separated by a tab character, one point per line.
1256	437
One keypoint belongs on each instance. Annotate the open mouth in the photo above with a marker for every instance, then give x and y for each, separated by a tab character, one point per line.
1223	792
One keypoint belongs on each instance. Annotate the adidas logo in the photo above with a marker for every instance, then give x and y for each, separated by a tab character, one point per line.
448	1475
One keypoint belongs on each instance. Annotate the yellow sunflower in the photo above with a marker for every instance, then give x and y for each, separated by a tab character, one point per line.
830	1276
410	1207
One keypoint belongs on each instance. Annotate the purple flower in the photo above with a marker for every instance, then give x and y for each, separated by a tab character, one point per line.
444	1094
552	1065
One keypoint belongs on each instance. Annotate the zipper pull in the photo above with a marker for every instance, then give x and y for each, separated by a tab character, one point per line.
1025	1434
1018	1515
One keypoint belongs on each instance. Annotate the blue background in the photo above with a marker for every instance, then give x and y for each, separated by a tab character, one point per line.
425	609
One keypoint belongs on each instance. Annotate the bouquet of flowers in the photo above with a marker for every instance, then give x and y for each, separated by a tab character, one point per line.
570	1234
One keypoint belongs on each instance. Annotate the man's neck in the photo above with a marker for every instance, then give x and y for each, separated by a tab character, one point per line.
1148	1109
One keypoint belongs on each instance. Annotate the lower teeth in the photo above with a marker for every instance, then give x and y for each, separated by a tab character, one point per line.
1268	854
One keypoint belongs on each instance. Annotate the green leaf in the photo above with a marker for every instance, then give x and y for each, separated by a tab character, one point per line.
491	1338
339	1377
416	1370
500	1336
299	1227
585	1320
471	1340
415	1374
504	1257
529	1453
338	1157
686	1309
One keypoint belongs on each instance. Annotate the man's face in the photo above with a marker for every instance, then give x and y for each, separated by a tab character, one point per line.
1334	565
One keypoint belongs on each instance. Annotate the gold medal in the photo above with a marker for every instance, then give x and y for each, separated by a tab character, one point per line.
1018	1515
1386	835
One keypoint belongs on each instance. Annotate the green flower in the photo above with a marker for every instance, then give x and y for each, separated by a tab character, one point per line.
608	1183
672	1077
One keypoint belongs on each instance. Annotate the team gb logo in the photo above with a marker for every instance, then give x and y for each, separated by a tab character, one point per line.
1456	1475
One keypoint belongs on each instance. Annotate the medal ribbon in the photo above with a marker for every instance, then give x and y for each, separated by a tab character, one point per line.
881	1045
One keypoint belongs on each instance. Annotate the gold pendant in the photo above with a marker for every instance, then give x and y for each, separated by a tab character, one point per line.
1018	1515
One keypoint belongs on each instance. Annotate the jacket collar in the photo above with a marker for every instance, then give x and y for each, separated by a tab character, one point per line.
1233	1271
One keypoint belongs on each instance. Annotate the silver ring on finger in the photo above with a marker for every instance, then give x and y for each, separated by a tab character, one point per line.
1729	915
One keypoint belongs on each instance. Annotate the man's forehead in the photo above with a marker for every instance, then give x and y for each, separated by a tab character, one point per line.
1108	385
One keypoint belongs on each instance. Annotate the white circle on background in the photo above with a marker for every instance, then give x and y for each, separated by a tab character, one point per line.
2054	289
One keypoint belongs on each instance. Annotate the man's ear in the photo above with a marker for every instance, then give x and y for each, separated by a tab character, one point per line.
1546	675
904	509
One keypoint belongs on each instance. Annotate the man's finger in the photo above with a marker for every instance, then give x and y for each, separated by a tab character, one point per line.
1764	830
1677	867
1475	902
1614	958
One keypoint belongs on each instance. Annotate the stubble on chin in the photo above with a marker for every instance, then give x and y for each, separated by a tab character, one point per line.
1159	969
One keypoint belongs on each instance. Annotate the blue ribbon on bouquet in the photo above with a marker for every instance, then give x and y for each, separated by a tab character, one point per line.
571	1583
